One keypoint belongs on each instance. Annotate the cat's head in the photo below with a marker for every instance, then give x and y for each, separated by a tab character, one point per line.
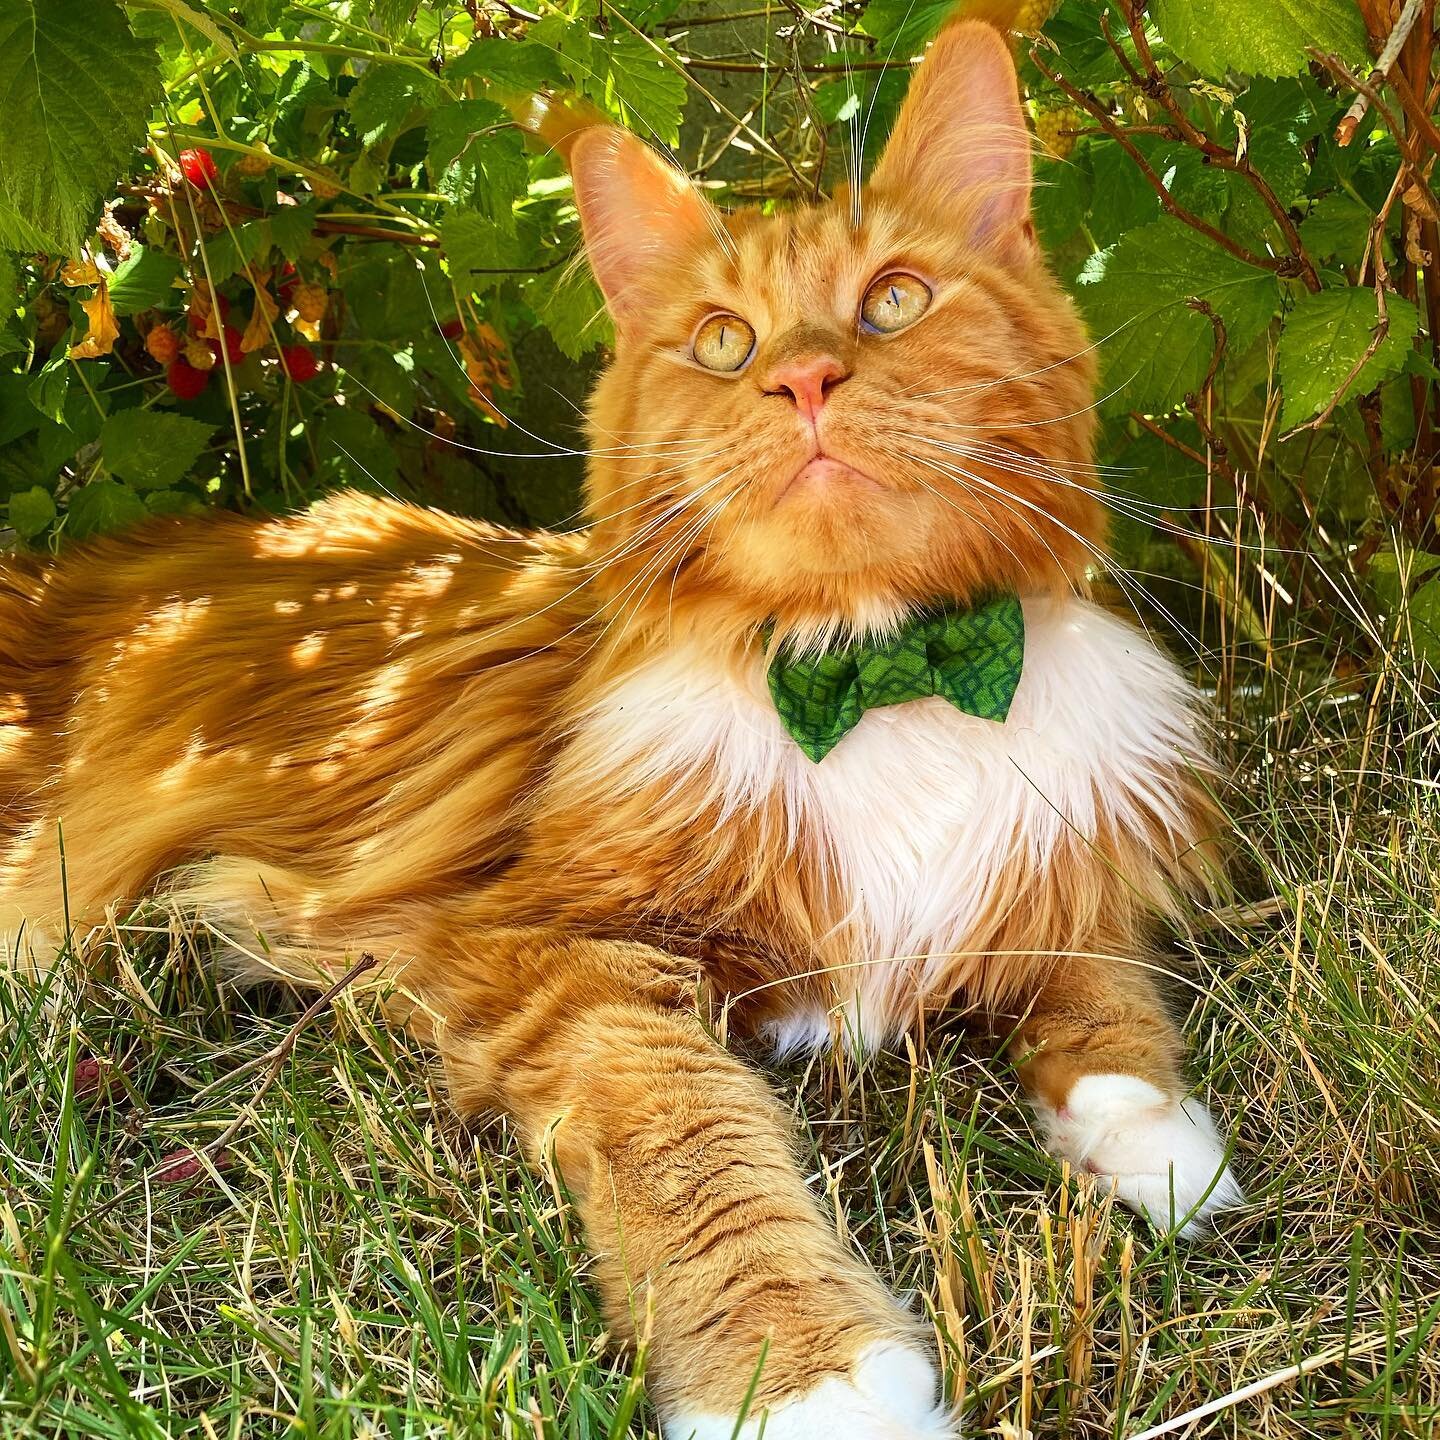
830	414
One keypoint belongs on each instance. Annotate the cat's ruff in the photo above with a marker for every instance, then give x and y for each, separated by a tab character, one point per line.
921	807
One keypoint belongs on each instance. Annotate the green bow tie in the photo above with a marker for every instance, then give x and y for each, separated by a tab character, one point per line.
971	658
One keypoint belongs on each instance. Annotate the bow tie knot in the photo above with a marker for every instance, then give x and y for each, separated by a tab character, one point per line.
972	658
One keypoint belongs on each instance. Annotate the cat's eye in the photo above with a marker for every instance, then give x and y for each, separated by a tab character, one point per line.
894	301
723	342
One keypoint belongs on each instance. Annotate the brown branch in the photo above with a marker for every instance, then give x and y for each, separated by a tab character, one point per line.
1341	71
1169	203
1160	433
1349	123
1222	339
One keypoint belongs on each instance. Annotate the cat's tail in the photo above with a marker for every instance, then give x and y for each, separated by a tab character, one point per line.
274	922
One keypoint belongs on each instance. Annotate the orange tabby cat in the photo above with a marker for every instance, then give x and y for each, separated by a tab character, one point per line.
542	778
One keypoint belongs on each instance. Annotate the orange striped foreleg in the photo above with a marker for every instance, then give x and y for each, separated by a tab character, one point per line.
678	1159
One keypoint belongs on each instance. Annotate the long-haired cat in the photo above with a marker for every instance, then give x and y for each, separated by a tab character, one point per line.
813	724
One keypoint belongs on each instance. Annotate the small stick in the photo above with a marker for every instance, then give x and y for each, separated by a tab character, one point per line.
1350	121
273	1058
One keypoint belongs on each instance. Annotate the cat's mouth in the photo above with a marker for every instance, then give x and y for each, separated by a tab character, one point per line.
826	472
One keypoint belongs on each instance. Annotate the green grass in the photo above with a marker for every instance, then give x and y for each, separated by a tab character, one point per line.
363	1265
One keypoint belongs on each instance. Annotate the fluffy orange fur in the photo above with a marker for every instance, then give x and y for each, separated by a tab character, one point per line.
363	727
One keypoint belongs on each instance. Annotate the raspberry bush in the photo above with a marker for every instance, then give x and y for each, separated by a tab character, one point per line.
328	237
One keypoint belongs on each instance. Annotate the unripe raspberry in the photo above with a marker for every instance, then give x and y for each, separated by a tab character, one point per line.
251	167
310	301
324	187
1031	15
1054	130
162	344
198	353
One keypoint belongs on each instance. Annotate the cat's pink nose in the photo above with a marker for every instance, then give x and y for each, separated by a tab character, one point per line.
808	382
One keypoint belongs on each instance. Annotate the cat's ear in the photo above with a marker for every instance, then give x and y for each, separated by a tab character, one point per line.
637	211
961	135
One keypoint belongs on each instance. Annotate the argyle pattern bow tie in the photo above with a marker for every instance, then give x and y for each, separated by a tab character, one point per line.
972	658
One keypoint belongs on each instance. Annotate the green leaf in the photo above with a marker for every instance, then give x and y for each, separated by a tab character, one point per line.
1415	590
481	253
648	90
173	502
1259	37
474	162
904	27
31	511
18	416
50	388
389	96
1076	32
151	448
1338	225
510	64
626	73
1324	338
393	16
353	449
145	280
78	89
572	309
102	506
229	252
17	233
300	88
291	227
569	41
1155	348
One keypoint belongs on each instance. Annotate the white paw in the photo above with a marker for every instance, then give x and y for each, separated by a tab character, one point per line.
893	1395
1163	1156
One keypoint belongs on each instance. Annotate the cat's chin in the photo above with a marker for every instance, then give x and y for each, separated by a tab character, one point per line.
825	477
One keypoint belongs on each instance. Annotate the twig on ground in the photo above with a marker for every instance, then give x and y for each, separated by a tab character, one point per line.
273	1059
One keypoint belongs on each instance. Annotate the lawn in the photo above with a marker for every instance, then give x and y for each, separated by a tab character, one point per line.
356	1262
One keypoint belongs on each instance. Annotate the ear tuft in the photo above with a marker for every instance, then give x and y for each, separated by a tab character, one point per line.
637	210
962	136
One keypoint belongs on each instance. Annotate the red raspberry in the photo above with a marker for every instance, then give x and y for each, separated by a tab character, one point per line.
185	381
299	363
453	329
232	346
198	166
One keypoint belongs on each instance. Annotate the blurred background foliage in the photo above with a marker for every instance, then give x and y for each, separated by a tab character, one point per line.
251	252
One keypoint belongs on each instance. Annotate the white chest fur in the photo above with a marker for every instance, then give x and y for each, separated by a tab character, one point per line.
919	808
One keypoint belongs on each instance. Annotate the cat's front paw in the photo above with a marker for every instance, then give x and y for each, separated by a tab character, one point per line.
1163	1156
892	1394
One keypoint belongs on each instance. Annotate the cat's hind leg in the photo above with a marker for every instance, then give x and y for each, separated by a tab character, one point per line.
680	1164
1101	1060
